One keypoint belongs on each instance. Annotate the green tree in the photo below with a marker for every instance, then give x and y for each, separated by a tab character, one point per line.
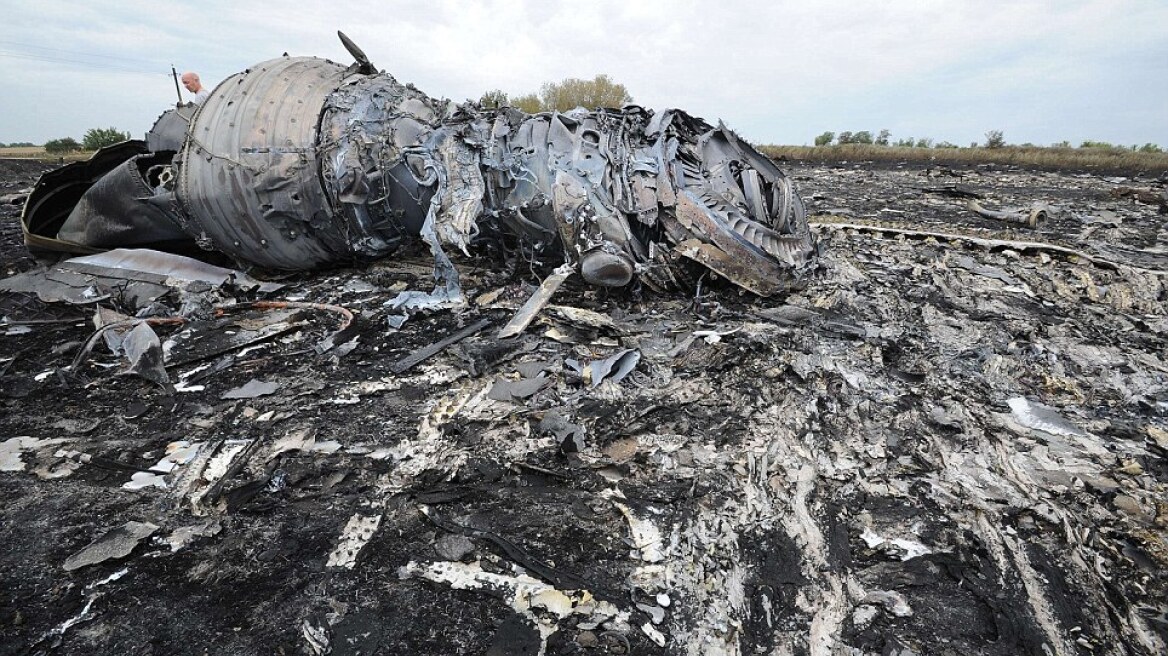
845	138
882	138
1151	148
995	139
99	138
824	139
571	93
863	137
924	142
494	99
527	103
905	143
61	146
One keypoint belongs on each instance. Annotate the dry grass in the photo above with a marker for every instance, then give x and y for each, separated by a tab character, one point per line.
1118	160
37	152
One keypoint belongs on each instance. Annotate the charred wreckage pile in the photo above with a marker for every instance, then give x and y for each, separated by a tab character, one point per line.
649	407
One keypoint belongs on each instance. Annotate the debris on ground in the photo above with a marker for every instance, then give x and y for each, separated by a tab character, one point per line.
950	440
1026	216
116	543
616	195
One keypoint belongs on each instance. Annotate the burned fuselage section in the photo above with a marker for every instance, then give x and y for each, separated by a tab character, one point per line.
299	163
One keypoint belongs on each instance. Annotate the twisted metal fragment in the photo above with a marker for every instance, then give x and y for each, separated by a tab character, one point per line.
298	163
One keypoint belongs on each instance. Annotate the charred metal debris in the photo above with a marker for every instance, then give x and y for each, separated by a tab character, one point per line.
951	439
299	163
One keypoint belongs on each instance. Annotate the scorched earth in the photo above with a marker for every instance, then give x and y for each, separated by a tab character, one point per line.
952	440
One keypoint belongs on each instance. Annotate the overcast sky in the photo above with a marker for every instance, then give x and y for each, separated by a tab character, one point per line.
776	71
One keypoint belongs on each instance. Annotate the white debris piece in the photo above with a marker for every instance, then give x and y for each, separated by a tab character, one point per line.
910	548
656	636
1043	418
523	594
184	535
85	614
251	389
217	467
326	447
177	454
713	336
316	636
646	536
11	449
655	613
358	532
893	601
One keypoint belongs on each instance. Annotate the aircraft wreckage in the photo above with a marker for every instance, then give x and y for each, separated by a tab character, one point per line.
944	441
299	163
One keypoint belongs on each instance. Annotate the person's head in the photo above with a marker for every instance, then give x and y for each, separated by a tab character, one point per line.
190	80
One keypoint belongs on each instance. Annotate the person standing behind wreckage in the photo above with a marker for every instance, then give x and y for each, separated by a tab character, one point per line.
190	80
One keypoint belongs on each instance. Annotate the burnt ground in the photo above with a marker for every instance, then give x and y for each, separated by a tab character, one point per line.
939	446
17	177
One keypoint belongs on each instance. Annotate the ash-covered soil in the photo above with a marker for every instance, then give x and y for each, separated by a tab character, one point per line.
937	446
17	177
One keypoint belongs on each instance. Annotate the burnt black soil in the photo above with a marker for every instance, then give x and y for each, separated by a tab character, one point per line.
17	177
256	580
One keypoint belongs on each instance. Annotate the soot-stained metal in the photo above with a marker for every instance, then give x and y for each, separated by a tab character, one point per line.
299	163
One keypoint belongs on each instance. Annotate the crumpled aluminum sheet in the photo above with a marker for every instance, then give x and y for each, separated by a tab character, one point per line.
299	163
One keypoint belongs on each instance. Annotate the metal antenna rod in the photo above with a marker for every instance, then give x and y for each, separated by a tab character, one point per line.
174	74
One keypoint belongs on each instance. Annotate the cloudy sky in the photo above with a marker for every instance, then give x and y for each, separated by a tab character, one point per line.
777	71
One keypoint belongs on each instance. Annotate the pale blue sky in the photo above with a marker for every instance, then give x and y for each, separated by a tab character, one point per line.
778	72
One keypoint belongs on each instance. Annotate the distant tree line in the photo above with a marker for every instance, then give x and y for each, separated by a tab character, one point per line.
600	91
61	146
94	139
18	144
993	139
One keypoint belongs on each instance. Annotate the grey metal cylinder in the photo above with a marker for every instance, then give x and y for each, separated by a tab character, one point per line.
249	175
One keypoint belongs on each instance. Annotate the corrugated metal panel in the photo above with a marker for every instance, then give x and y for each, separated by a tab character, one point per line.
249	177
